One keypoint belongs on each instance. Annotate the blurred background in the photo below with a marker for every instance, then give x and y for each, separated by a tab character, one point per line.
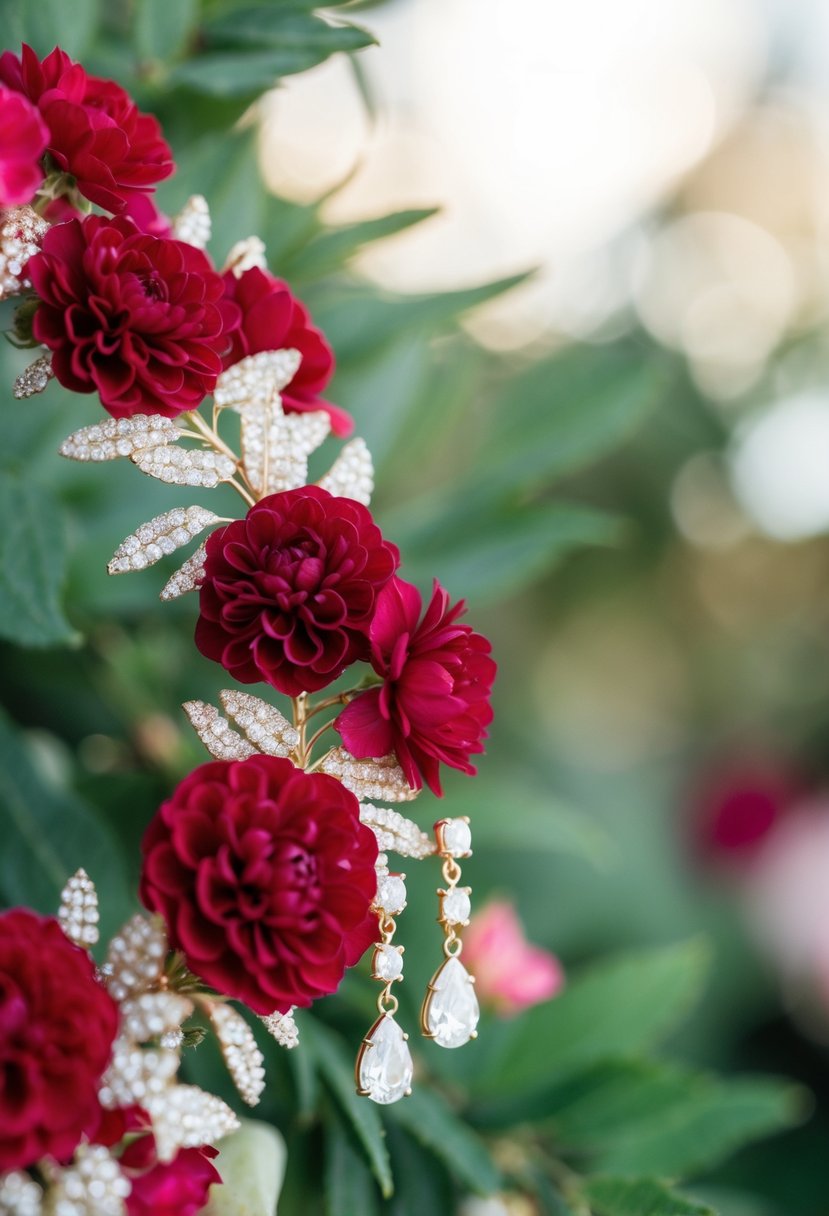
594	383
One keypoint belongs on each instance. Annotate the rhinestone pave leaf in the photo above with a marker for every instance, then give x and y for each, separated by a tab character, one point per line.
188	577
384	1065
33	379
185	466
244	1060
216	734
395	832
382	779
159	537
352	473
184	1116
119	437
192	224
21	231
267	729
255	381
78	912
282	1027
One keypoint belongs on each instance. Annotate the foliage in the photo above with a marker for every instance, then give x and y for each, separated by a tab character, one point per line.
573	1103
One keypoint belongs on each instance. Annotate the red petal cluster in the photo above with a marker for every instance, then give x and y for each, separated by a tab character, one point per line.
57	1024
264	875
274	319
23	138
433	707
172	1188
139	319
96	133
289	591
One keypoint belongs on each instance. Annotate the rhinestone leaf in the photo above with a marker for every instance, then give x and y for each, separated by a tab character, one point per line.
21	231
384	1065
352	473
115	437
395	832
152	1015
160	537
245	255
135	1074
382	779
135	959
283	1028
281	441
255	381
192	224
268	730
184	1116
216	734
185	466
450	1011
78	913
92	1186
34	378
188	577
244	1060
20	1195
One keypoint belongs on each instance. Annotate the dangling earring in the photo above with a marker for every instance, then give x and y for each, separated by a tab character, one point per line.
450	1010
383	1069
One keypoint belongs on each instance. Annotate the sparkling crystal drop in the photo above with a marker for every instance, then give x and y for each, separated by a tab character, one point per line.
388	963
384	1066
451	1012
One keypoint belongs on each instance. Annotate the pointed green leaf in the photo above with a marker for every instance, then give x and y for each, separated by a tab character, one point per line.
428	1118
162	27
638	1197
284	26
336	246
349	1185
32	564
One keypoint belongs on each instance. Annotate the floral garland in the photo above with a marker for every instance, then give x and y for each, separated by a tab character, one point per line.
265	874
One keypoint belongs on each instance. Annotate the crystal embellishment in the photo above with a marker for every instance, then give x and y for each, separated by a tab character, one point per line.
116	437
451	1011
78	914
391	894
384	1064
456	906
352	473
394	831
387	963
454	837
34	378
159	537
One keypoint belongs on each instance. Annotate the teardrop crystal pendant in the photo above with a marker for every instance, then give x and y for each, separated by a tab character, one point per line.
450	1011
384	1063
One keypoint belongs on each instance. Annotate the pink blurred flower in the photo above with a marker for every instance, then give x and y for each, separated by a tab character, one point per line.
510	973
737	804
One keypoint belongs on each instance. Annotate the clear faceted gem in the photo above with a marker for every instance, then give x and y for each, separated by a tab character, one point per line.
391	894
457	906
452	1011
388	963
385	1067
456	837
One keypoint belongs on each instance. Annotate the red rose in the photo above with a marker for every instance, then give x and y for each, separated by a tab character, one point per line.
289	591
433	707
172	1188
137	318
57	1024
264	875
274	319
22	142
96	132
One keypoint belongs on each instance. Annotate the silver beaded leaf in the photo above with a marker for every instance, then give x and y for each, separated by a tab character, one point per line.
192	224
283	1028
352	473
245	255
216	734
20	1195
78	913
244	1060
21	231
395	832
188	577
159	537
92	1186
276	446
382	779
184	1116
115	437
135	1074
267	729
153	1015
136	956
256	380
185	466
33	379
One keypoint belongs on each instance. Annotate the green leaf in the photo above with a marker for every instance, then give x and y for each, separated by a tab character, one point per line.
567	411
615	1008
32	563
47	834
252	1163
338	1072
349	1185
334	247
306	1078
422	1185
638	1197
163	27
45	24
284	26
487	555
433	1124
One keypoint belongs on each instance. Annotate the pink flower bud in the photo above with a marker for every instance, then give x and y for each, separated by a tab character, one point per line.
510	973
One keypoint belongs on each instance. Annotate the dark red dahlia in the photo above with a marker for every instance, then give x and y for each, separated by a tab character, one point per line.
167	1188
23	138
274	319
57	1024
433	707
136	318
289	591
264	875
96	132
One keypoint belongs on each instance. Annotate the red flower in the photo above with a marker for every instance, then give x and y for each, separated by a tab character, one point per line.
173	1188
289	591
264	875
433	707
57	1024
274	319
23	138
96	132
137	318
